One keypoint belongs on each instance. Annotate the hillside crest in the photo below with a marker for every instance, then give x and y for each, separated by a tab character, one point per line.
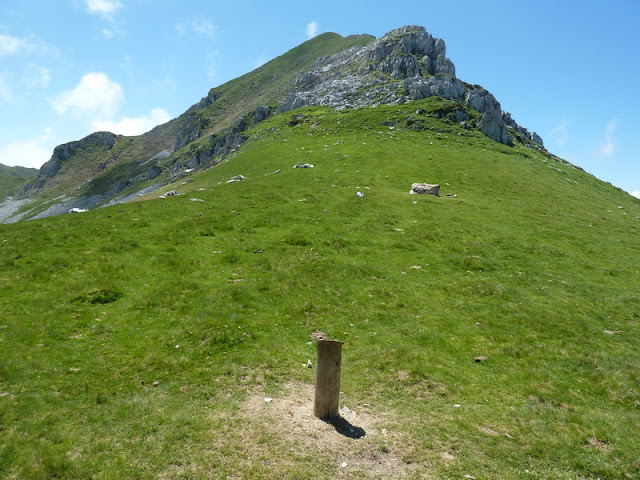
407	64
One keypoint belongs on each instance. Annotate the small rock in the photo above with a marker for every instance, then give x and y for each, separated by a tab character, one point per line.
612	332
156	383
344	465
308	364
425	188
196	200
302	165
360	194
470	477
457	405
237	178
268	400
479	359
384	432
346	409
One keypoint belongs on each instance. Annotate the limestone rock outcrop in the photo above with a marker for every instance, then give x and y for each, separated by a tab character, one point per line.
405	64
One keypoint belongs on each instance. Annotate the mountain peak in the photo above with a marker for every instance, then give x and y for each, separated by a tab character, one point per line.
403	65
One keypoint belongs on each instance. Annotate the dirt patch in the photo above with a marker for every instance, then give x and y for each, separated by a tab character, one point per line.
598	444
488	430
362	443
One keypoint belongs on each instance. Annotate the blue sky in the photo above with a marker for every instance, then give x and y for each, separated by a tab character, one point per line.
568	70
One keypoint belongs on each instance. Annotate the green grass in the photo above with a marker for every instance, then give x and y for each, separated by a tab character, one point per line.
12	178
530	266
9	184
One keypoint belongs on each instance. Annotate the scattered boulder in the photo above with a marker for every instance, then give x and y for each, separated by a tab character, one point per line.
153	172
296	119
237	178
171	193
302	165
425	188
262	112
306	79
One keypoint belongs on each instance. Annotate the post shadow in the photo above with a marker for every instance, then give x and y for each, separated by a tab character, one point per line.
343	427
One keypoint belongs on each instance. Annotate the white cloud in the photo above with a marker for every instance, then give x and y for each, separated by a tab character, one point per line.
560	133
95	96
210	65
105	8
133	126
32	152
32	45
608	149
636	193
312	29
201	26
6	93
11	45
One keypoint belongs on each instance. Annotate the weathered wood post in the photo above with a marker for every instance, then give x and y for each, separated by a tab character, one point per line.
327	397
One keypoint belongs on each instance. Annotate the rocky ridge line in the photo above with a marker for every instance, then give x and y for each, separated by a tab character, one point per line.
405	64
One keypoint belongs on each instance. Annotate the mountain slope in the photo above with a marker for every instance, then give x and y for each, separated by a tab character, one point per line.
141	340
405	65
12	178
91	171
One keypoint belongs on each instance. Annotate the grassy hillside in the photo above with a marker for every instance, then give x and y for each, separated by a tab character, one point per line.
12	178
140	341
97	170
23	172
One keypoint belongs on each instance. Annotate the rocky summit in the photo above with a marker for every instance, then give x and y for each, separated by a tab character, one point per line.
369	75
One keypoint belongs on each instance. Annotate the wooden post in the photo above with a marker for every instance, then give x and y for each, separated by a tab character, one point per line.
327	397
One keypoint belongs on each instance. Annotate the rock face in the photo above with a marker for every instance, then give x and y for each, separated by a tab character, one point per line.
62	153
405	64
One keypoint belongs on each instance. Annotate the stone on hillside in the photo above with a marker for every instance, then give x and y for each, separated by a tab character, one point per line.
492	125
303	165
237	178
535	138
292	104
262	112
440	85
306	79
444	66
425	188
153	172
239	126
